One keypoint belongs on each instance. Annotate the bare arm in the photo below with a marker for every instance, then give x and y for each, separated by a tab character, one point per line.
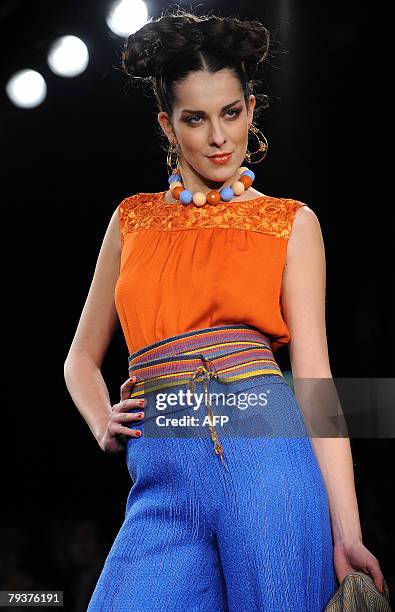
95	330
303	302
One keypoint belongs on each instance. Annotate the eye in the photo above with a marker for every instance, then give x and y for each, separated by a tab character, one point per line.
235	110
232	110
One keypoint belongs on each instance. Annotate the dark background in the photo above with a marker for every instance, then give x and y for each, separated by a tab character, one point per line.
65	166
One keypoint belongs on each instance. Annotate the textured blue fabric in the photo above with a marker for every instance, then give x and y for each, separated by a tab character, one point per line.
198	537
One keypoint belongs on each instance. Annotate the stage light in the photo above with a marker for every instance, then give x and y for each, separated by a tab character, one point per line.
26	88
68	56
127	16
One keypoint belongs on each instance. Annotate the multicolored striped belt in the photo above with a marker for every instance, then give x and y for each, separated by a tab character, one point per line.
229	353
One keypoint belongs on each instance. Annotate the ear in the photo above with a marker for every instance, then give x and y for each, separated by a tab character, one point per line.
165	124
251	106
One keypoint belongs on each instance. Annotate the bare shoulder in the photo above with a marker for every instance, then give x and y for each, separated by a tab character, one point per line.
306	234
305	220
113	233
118	221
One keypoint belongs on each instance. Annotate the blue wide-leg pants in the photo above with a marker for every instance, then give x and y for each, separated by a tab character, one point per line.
198	537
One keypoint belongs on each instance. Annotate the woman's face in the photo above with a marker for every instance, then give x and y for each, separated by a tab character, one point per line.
209	117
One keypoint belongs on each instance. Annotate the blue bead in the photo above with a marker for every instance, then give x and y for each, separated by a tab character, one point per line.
227	194
186	196
174	177
249	173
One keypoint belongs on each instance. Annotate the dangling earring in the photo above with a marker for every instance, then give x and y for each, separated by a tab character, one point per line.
171	150
263	146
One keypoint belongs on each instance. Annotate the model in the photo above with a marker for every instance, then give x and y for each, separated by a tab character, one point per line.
232	506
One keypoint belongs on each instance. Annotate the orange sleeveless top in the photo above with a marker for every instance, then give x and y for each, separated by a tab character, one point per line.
186	267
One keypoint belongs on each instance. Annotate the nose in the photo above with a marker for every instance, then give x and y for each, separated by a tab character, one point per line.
217	136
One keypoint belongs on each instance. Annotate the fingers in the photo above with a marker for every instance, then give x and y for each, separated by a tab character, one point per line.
126	387
115	428
128	404
125	417
121	415
376	573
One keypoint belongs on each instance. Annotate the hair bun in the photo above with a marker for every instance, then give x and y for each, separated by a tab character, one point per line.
154	47
139	52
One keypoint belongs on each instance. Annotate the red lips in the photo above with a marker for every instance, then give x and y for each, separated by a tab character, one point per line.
220	159
219	155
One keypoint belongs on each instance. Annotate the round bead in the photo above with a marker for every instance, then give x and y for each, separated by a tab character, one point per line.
174	177
186	196
175	184
242	169
238	187
176	192
249	173
199	199
246	180
213	197
227	194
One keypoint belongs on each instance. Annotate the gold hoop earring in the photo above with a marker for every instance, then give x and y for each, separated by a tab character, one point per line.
263	146
171	150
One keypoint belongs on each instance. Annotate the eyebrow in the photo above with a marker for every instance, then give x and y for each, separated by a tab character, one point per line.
200	111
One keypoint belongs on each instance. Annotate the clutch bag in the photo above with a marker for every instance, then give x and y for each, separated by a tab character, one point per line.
358	593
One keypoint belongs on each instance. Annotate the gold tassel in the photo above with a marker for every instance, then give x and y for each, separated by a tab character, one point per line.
218	448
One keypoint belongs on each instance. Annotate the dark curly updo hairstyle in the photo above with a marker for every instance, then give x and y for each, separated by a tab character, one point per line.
163	53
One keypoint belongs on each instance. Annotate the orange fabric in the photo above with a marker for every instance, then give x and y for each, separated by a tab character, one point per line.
184	267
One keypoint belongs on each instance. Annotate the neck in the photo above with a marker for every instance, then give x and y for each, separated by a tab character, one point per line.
196	182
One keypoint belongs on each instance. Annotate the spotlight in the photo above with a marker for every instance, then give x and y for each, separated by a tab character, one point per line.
68	56
127	16
26	88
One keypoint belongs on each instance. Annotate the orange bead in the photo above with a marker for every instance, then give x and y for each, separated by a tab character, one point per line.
213	197
176	192
246	180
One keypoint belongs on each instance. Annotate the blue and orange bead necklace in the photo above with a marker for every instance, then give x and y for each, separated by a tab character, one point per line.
185	196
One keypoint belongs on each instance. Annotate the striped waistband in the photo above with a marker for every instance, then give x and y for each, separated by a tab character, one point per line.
230	352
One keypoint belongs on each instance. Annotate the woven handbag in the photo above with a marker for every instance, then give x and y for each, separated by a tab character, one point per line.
357	593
